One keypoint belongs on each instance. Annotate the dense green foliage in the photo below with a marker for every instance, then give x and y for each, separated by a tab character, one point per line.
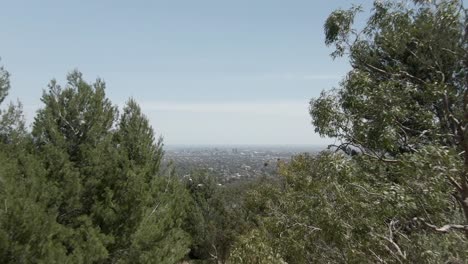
86	185
406	86
394	192
4	83
334	209
217	216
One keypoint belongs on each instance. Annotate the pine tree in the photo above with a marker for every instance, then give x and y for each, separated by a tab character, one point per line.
4	83
73	135
112	201
28	230
151	206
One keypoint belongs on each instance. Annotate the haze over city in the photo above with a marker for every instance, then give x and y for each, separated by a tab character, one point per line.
204	72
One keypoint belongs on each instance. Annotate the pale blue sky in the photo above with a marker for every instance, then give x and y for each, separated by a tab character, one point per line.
204	72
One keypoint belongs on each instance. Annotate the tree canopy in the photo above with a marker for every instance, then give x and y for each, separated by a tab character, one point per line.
4	83
391	189
88	185
408	87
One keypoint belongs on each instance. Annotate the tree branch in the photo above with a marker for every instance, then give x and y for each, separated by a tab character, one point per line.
443	229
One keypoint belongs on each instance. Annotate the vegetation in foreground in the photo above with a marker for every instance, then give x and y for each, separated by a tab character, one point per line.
86	185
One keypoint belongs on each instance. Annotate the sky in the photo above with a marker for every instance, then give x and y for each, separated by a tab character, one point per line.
204	72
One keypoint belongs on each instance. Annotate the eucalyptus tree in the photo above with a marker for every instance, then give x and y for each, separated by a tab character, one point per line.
403	110
408	84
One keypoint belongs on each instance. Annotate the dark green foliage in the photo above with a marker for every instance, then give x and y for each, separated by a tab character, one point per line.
333	209
72	133
406	81
338	27
217	216
28	230
87	187
75	119
136	138
12	124
408	87
159	237
4	83
401	113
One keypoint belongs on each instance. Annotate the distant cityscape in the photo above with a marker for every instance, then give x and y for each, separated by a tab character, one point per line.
231	163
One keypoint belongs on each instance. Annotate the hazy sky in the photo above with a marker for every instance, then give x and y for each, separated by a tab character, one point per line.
204	71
